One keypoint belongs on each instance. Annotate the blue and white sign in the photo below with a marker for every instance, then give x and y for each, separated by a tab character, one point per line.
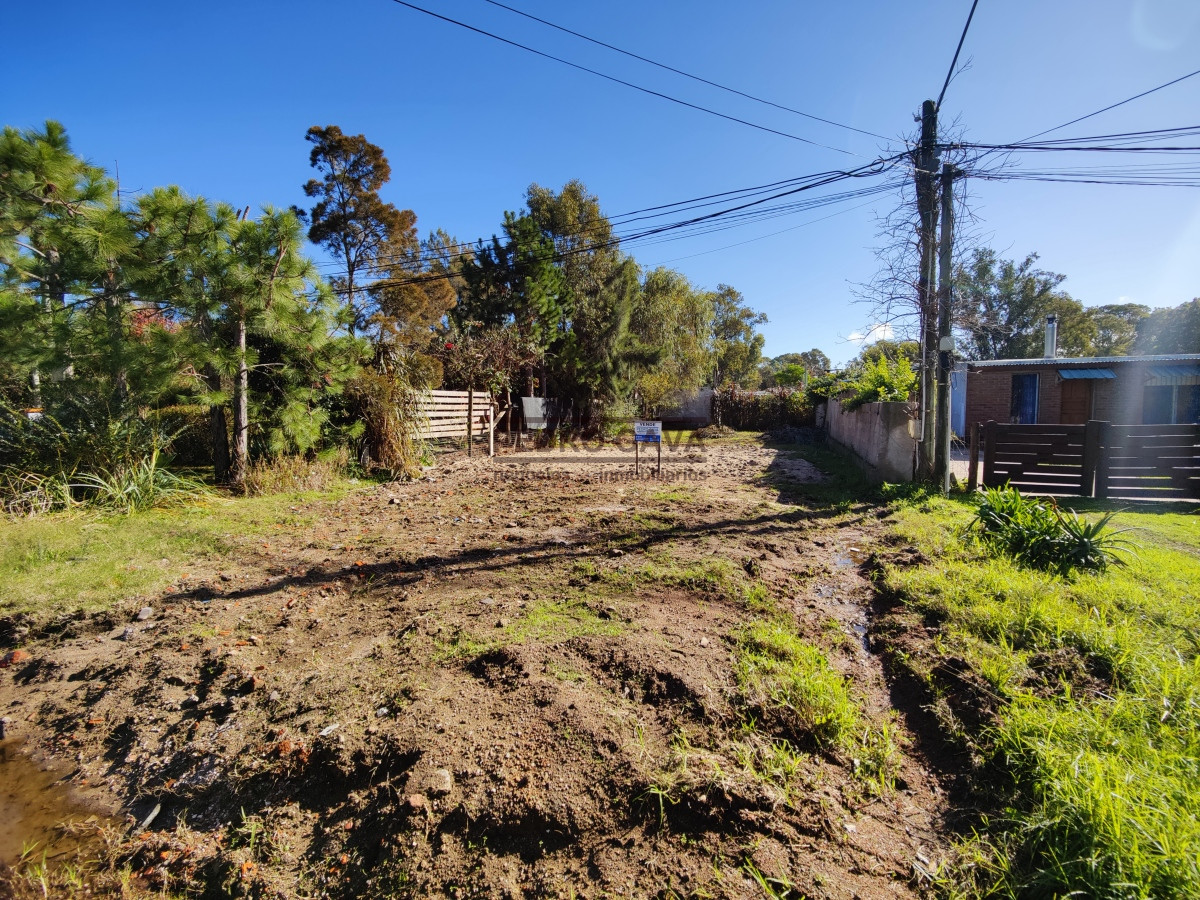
647	432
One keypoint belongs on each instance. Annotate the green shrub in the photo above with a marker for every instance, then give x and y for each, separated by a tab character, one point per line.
1037	534
880	381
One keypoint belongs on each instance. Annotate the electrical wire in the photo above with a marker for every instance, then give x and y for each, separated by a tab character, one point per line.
875	168
1113	106
957	50
621	81
616	222
698	78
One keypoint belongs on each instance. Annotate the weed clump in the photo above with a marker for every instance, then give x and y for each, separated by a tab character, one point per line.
1039	535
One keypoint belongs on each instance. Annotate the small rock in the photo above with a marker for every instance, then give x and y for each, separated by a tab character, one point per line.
5	723
850	828
417	801
393	501
144	613
12	657
127	634
275	696
616	552
255	640
488	601
328	730
381	712
502	622
441	781
225	577
704	642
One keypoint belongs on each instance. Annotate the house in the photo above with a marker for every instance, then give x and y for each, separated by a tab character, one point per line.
1124	390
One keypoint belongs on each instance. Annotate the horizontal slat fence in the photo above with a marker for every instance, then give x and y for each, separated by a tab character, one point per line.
446	413
1149	462
1128	462
1043	459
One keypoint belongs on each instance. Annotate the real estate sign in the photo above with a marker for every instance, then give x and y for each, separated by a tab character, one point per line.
647	432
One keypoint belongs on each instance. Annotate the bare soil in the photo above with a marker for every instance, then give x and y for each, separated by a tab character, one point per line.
512	678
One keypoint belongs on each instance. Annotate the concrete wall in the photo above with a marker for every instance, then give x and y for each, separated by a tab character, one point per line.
881	436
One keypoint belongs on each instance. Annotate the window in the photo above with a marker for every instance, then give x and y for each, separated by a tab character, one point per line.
1024	399
1157	403
1171	404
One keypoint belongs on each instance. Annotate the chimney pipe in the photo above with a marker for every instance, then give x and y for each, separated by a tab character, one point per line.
1051	336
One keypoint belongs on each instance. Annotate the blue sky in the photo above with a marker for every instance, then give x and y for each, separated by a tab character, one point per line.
217	97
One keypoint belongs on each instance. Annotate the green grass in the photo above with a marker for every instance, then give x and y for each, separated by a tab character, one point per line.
554	621
789	684
68	561
1103	748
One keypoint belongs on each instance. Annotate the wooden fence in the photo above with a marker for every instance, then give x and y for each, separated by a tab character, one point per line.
1136	462
462	415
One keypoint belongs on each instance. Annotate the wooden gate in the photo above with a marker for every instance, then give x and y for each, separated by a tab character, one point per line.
1135	462
1040	459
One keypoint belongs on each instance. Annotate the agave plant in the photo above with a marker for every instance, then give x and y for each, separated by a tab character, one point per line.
1037	534
1089	546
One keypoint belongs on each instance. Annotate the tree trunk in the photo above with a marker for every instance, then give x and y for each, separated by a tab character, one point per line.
241	412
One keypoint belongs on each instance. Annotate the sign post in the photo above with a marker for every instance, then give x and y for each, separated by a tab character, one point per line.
646	433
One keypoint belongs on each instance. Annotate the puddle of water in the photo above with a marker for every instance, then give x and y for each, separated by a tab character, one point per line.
860	631
852	557
33	806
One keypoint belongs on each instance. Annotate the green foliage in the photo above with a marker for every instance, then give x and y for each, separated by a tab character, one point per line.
1171	330
80	433
782	675
1037	534
1095	724
792	375
139	485
350	219
737	345
881	380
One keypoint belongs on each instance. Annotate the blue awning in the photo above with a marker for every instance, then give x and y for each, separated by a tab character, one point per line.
1086	373
1160	376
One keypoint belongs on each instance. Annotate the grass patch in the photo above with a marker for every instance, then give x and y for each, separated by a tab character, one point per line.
554	621
790	685
1096	684
68	561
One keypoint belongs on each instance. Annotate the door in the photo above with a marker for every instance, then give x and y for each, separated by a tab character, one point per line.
1076	402
1023	410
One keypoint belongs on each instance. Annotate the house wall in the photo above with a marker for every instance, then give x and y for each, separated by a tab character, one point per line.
881	436
1117	400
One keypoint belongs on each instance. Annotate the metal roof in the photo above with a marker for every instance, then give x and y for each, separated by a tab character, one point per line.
1086	373
1086	360
1173	371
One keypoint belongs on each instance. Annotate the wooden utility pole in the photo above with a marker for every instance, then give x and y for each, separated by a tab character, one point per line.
945	345
925	168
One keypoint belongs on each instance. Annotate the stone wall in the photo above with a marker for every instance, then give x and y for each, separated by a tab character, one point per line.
881	437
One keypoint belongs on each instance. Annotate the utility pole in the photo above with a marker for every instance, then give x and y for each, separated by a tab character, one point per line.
926	169
945	345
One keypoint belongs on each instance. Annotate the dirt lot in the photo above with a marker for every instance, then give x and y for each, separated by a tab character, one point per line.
517	677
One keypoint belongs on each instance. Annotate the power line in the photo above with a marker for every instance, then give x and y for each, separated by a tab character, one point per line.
621	81
1113	106
616	221
957	50
874	168
702	80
